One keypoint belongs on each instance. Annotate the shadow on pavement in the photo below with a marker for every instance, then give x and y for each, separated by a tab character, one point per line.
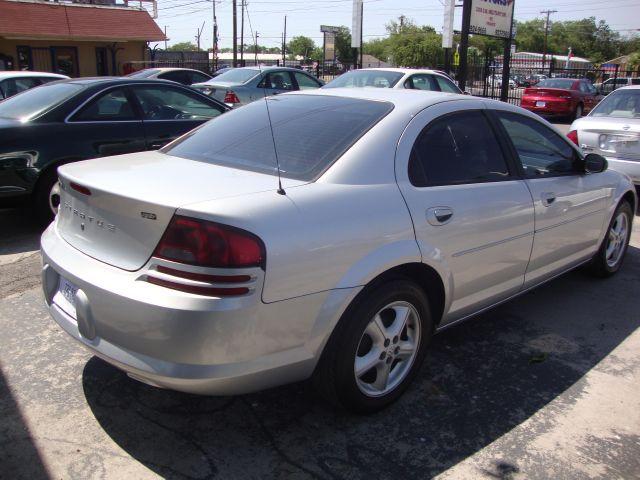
22	460
19	231
481	379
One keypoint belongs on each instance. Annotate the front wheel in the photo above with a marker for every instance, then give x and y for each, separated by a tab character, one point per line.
611	254
377	347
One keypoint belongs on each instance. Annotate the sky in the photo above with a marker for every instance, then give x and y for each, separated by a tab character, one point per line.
183	18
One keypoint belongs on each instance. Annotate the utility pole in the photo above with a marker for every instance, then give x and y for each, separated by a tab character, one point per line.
235	33
284	43
242	5
546	34
165	37
401	23
215	37
256	48
464	44
361	21
199	34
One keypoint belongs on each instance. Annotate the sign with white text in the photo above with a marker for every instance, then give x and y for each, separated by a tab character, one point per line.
491	17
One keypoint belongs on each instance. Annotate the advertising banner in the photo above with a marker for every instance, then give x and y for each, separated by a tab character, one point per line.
491	17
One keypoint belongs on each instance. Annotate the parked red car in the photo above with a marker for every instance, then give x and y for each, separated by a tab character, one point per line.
561	97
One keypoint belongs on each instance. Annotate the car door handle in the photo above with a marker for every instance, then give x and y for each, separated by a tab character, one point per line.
437	216
548	198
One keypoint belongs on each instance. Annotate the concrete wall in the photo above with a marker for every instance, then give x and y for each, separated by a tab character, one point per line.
86	52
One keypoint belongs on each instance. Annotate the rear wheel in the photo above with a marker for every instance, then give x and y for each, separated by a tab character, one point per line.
578	111
610	256
377	347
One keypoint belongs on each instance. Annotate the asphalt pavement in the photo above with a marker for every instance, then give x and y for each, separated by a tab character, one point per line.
545	386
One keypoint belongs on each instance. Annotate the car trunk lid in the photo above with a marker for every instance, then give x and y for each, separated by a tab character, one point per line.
612	137
546	92
116	209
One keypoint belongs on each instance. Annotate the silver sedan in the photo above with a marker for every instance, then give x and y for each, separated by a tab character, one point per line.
239	86
612	129
220	265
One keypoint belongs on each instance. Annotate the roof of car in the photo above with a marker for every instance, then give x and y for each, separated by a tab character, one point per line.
405	70
268	67
29	73
169	69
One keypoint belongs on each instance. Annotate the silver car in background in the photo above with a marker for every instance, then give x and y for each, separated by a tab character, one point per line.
397	78
612	129
240	86
400	213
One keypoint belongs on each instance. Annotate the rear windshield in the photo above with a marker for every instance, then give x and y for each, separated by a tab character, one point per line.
366	78
144	73
310	132
30	103
556	83
620	104
237	75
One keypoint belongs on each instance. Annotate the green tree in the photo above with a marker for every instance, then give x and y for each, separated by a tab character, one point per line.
301	45
183	47
379	48
344	52
413	46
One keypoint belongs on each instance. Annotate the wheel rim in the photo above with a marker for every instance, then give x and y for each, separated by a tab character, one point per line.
387	349
617	239
54	198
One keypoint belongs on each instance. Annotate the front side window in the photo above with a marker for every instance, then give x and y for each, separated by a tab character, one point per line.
277	81
113	106
542	152
171	103
310	132
305	82
446	85
421	82
456	149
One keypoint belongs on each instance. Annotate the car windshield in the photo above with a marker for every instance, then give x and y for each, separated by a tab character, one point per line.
621	104
30	103
144	73
556	83
310	132
237	75
366	78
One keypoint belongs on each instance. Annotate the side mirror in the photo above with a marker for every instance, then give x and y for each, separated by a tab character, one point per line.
594	163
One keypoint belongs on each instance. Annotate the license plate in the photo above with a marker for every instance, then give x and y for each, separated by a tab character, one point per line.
541	104
65	297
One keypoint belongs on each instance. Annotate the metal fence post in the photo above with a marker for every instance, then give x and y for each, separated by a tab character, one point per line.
615	77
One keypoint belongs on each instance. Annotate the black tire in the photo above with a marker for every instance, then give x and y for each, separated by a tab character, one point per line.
41	198
599	266
578	113
335	378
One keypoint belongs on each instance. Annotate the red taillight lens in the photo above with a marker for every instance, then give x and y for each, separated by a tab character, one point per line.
527	91
573	136
80	188
208	244
231	97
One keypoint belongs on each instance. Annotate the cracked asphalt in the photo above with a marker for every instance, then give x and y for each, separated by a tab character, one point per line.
545	386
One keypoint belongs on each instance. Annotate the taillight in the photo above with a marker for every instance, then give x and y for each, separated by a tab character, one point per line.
573	136
527	91
80	188
209	244
231	97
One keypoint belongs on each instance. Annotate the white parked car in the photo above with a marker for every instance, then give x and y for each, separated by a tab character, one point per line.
400	213
13	82
397	78
496	81
612	129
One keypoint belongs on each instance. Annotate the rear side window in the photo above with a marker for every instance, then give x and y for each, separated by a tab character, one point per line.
455	149
277	81
542	152
113	106
310	132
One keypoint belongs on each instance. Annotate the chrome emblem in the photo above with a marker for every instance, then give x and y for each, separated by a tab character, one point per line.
92	220
147	215
626	127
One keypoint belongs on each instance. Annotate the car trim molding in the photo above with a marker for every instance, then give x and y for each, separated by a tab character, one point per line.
492	244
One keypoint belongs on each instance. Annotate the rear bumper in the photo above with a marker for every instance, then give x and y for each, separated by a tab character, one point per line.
551	108
630	167
182	341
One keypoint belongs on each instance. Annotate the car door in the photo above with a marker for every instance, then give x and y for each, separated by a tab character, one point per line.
169	111
471	211
107	124
569	204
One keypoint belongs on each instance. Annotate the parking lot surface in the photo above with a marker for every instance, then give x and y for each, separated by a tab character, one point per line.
545	386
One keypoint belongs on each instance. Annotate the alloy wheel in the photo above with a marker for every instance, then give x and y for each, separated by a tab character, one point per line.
54	198
387	349
617	239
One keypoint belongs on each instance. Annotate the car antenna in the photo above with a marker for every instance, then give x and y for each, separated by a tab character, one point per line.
273	137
